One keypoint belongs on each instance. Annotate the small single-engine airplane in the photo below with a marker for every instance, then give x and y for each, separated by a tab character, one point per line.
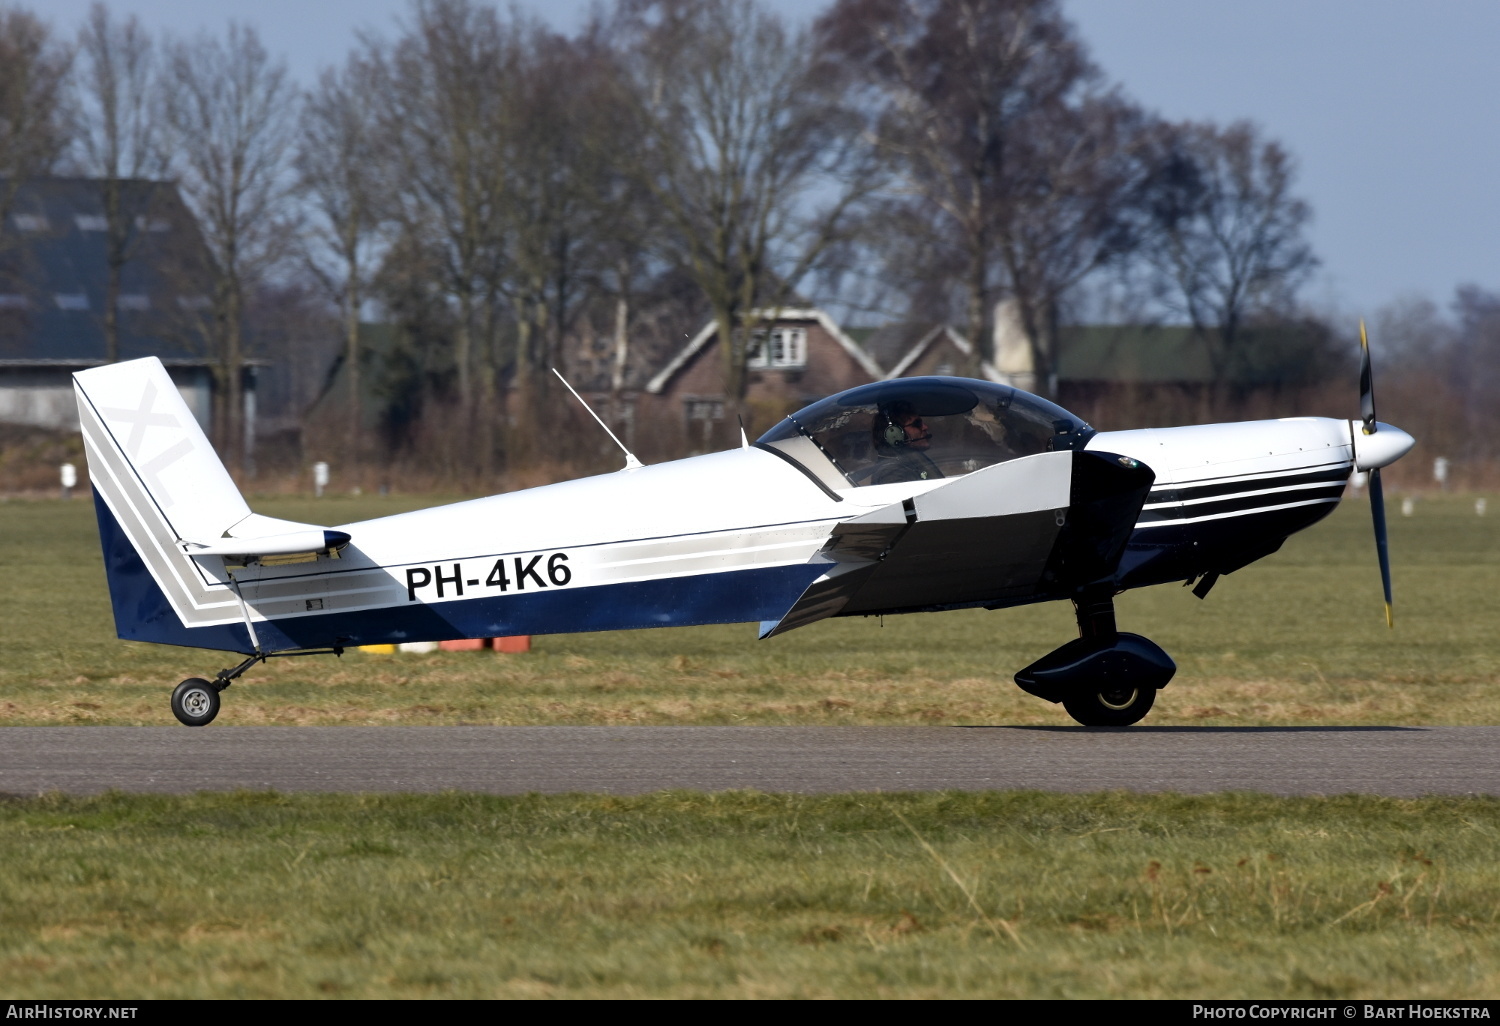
902	496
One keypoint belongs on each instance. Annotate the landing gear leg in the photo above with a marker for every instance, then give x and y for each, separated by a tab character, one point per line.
195	702
1095	613
1110	706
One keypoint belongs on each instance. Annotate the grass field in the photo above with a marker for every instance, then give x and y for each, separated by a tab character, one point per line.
746	895
749	895
1296	638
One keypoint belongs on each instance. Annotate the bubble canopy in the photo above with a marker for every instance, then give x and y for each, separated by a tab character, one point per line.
913	429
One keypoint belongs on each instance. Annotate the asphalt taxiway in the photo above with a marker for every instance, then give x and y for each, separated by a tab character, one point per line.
1399	761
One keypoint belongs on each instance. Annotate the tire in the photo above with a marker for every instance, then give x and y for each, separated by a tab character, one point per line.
195	702
1117	707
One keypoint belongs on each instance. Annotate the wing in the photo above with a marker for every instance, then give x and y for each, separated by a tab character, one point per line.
1037	527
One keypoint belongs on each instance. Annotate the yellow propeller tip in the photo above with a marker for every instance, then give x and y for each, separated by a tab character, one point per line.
1389	622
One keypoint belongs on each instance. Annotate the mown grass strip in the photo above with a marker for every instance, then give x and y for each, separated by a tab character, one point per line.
749	895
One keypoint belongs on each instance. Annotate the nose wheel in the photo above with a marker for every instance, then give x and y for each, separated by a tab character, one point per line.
195	702
1111	707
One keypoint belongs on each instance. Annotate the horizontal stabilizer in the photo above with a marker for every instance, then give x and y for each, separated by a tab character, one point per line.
316	539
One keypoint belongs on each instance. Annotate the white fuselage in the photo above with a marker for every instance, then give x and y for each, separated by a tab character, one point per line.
743	509
734	536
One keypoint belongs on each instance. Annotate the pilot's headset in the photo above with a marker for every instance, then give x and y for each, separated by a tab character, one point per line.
888	434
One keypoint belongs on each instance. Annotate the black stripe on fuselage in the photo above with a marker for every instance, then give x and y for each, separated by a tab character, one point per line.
1189	492
1242	504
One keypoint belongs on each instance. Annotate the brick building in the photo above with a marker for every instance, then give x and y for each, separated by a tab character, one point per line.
797	357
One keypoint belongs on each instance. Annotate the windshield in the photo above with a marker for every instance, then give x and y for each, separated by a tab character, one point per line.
917	429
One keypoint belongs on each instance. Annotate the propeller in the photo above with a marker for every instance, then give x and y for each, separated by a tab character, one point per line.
1377	493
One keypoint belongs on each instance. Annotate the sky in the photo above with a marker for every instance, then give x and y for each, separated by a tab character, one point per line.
1392	108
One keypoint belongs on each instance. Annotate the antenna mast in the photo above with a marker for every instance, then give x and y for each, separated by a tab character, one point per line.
631	463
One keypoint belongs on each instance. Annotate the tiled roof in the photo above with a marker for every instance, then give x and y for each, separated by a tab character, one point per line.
53	274
890	343
1171	354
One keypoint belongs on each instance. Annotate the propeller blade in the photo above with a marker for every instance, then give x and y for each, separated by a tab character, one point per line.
1382	549
1366	382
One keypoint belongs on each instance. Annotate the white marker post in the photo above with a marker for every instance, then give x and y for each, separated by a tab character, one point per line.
1440	472
69	475
320	479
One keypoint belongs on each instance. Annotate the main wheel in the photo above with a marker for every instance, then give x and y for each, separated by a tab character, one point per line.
1112	707
195	702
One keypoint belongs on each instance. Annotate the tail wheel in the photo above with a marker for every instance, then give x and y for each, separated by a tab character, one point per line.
195	702
1110	707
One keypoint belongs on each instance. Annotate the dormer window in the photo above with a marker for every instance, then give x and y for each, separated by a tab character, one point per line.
777	348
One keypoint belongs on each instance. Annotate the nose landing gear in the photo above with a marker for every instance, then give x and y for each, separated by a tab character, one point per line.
1103	678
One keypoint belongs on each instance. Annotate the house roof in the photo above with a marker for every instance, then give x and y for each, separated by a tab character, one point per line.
926	342
902	345
782	316
1129	354
1120	354
53	272
1149	354
887	343
1175	354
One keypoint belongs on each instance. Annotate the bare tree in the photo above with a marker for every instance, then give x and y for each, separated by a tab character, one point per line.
338	173
1014	167
229	110
585	228
505	150
118	139
1228	231
33	115
628	235
441	106
1067	209
747	149
556	179
415	372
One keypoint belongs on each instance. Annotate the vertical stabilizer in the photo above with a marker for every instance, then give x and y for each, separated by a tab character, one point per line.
134	418
157	484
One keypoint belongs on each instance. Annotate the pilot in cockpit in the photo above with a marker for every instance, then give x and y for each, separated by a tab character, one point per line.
902	439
